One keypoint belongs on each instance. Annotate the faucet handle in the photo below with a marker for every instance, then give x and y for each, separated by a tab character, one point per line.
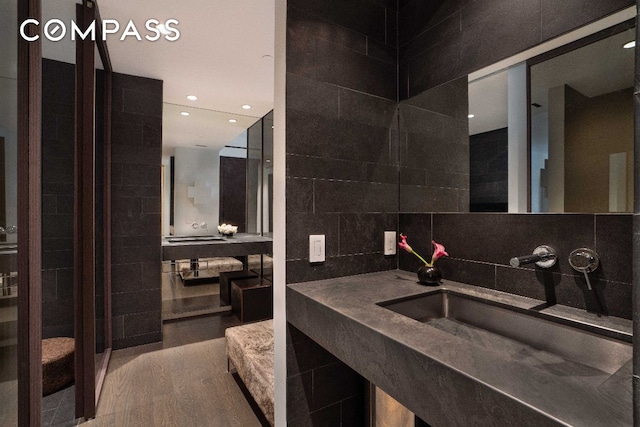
543	256
584	260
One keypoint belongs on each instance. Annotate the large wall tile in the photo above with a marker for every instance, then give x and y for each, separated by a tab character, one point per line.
303	22
364	232
558	16
363	16
135	220
614	240
348	196
314	135
301	225
304	94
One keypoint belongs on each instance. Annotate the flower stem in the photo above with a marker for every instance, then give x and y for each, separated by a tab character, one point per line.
421	259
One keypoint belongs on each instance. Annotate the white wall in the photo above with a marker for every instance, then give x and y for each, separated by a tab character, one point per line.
517	124
279	216
166	196
539	153
199	168
556	149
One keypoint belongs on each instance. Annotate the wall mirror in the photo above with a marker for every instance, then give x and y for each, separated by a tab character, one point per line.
8	214
580	124
212	164
216	169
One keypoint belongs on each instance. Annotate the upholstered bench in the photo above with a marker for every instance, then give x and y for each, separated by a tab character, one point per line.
250	351
57	364
205	270
252	299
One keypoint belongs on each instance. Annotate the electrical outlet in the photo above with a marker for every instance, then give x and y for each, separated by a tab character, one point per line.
316	248
390	243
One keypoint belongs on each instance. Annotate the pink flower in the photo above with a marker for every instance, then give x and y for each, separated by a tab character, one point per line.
404	245
438	251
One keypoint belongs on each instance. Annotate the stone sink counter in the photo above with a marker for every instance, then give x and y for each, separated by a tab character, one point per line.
241	244
448	380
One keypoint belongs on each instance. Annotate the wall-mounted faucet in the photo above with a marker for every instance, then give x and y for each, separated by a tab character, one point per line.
543	256
584	260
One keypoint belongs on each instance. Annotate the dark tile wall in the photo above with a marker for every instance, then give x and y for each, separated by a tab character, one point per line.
342	170
136	229
481	245
443	40
321	390
58	81
489	171
342	175
233	192
434	150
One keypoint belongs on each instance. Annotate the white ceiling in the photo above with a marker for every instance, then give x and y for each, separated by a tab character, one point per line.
224	56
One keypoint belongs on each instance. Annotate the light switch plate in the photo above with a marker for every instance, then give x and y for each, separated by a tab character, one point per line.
316	248
390	243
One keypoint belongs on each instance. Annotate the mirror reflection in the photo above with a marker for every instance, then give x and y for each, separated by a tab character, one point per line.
582	129
581	132
58	134
216	170
8	214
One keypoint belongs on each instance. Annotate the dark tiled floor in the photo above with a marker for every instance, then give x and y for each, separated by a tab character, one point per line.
58	409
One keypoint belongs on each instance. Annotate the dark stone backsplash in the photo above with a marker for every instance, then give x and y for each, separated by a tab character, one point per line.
481	245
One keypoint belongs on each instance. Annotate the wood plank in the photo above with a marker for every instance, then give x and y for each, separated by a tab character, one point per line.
29	220
182	381
84	218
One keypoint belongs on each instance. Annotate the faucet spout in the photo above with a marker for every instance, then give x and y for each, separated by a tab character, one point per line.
543	256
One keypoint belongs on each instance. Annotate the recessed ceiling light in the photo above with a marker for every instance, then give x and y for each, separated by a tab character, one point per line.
163	29
267	56
246	107
192	97
630	45
471	116
200	145
184	113
232	120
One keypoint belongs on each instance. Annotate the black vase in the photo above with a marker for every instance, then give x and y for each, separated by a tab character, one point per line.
429	275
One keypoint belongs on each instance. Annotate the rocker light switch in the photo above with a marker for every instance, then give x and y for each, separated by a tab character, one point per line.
316	248
390	243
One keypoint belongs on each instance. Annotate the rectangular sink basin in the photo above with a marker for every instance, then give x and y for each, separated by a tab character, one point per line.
471	317
177	239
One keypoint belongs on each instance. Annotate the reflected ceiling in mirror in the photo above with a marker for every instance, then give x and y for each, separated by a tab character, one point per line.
582	128
184	126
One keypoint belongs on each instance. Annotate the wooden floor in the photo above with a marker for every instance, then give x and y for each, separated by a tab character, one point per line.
180	382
